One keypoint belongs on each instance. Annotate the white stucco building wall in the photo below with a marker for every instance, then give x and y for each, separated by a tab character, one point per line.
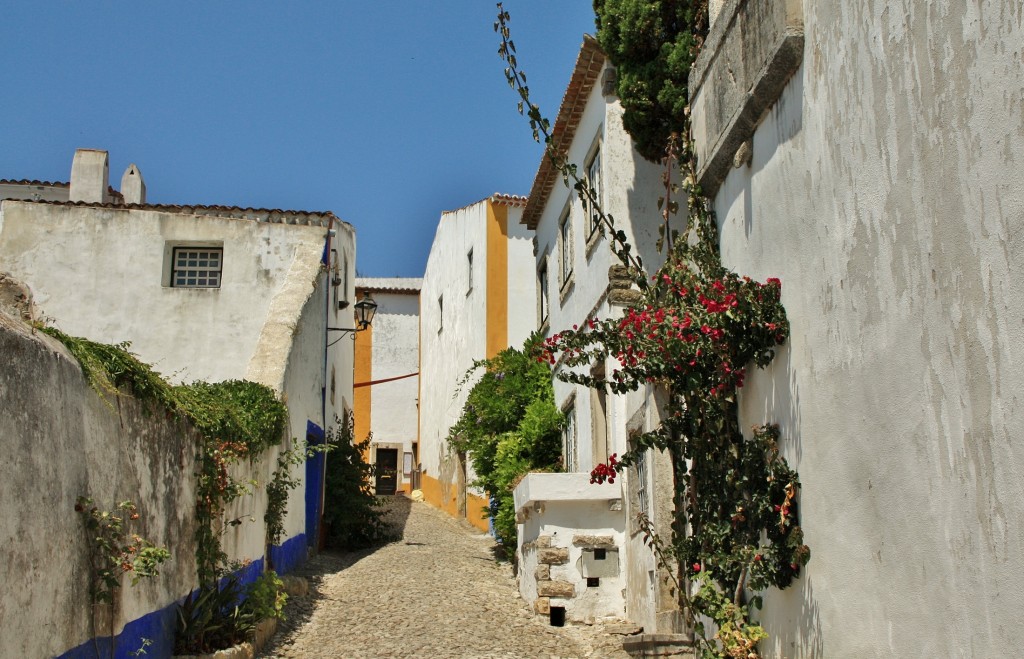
469	310
102	270
388	383
884	190
575	263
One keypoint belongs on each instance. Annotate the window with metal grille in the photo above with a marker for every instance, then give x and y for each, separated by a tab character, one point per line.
197	267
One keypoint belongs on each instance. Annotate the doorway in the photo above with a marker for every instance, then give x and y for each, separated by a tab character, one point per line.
387	470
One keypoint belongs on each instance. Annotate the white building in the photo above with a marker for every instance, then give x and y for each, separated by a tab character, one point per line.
476	300
387	381
206	293
581	547
868	155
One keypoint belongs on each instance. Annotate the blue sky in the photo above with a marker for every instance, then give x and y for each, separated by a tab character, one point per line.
386	112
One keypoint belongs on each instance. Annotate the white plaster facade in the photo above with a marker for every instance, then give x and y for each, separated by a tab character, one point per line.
471	307
575	262
101	270
884	189
391	394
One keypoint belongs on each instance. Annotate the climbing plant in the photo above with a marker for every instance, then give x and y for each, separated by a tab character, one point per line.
694	333
114	553
509	426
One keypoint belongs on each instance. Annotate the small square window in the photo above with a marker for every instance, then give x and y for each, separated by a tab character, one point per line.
197	267
600	554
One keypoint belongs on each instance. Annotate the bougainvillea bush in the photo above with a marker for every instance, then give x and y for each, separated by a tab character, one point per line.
696	332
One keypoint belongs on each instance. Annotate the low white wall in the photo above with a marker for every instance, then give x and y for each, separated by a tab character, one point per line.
561	522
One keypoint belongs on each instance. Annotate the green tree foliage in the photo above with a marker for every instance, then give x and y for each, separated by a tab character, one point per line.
352	515
509	426
652	44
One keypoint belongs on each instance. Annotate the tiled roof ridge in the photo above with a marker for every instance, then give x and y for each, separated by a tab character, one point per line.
199	209
584	75
497	198
389	283
25	181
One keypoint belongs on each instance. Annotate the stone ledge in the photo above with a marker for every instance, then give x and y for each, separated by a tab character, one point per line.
562	589
593	541
658	645
750	53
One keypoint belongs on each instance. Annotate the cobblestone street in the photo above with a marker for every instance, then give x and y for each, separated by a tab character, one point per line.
436	592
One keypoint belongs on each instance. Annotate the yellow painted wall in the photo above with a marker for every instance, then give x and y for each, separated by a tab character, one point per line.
444	497
363	395
497	278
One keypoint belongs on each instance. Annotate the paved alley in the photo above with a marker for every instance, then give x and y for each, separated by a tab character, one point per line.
437	592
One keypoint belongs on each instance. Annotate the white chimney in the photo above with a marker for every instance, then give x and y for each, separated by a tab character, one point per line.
133	188
89	176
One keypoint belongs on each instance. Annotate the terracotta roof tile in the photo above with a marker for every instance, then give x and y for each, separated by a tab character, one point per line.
269	215
389	284
25	181
497	198
584	75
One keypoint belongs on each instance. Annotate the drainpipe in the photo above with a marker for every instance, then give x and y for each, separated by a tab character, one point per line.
323	381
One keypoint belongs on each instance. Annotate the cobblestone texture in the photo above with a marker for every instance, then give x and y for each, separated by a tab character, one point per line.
436	592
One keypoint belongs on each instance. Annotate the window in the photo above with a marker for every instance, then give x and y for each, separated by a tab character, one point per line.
440	314
640	493
469	272
599	417
565	247
542	295
197	267
569	451
594	178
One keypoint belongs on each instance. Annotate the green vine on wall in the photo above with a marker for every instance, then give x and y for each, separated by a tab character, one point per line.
692	336
114	553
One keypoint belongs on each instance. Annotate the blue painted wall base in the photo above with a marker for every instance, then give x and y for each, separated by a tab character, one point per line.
158	626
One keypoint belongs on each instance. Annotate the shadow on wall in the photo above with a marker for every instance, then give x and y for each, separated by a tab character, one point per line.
790	616
799	637
644	214
782	123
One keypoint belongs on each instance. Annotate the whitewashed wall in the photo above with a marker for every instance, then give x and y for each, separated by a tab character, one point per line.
885	192
100	273
631	188
447	351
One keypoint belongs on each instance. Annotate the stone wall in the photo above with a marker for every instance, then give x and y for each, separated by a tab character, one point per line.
63	441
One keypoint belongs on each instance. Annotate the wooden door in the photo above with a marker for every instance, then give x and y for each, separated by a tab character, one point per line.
387	470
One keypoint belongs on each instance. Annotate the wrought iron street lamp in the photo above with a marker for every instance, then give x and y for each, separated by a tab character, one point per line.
365	310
